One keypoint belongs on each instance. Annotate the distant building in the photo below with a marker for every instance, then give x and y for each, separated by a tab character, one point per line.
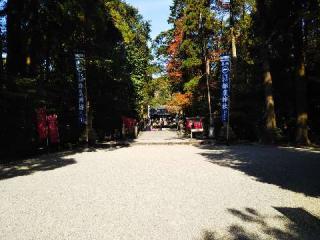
160	112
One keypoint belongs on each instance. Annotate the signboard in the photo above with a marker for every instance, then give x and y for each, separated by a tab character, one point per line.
225	88
225	2
80	67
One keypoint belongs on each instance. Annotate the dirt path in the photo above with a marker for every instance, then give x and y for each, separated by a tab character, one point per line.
176	192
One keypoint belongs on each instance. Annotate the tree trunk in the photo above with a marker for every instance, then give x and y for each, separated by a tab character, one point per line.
302	135
211	123
271	123
35	45
270	116
233	43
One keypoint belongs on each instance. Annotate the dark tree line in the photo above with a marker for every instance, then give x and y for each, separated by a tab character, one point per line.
288	35
41	38
275	66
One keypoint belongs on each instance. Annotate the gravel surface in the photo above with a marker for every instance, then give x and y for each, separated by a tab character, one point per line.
163	192
168	137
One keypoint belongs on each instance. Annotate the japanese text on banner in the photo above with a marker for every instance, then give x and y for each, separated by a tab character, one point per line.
225	87
79	58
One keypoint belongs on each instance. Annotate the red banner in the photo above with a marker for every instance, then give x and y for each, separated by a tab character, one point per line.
197	125
194	123
129	123
42	124
53	128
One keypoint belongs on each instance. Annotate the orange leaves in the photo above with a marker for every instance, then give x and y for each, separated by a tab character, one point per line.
179	102
173	69
174	64
173	48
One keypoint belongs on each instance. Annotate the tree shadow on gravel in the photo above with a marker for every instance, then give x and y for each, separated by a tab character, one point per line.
30	166
288	168
15	167
296	224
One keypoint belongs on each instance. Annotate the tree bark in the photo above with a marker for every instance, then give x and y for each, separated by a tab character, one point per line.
35	44
302	134
271	123
270	117
233	42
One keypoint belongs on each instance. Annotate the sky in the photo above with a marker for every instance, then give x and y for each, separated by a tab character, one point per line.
156	11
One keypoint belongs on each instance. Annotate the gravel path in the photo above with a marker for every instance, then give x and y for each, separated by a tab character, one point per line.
162	192
165	134
164	137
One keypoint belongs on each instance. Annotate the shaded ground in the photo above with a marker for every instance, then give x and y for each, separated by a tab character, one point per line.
297	223
50	161
288	168
30	166
176	192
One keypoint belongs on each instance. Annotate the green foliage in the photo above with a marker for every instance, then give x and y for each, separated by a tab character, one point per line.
43	36
135	33
157	92
193	84
271	36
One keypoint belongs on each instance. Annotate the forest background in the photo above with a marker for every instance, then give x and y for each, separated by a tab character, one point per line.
275	66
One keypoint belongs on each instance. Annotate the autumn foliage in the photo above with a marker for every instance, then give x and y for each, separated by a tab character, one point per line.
174	64
179	102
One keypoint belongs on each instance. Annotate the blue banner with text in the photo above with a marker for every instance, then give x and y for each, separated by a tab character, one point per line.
80	67
225	88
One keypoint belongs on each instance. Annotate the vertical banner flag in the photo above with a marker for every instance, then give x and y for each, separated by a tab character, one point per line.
80	66
53	128
42	124
226	68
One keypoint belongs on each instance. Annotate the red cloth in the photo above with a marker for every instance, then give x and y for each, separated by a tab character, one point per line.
53	128
189	124
194	124
197	124
42	123
129	123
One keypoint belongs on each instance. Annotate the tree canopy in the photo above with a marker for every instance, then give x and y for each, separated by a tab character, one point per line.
41	40
274	74
272	45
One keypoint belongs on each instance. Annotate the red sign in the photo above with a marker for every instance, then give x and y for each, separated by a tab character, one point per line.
42	124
